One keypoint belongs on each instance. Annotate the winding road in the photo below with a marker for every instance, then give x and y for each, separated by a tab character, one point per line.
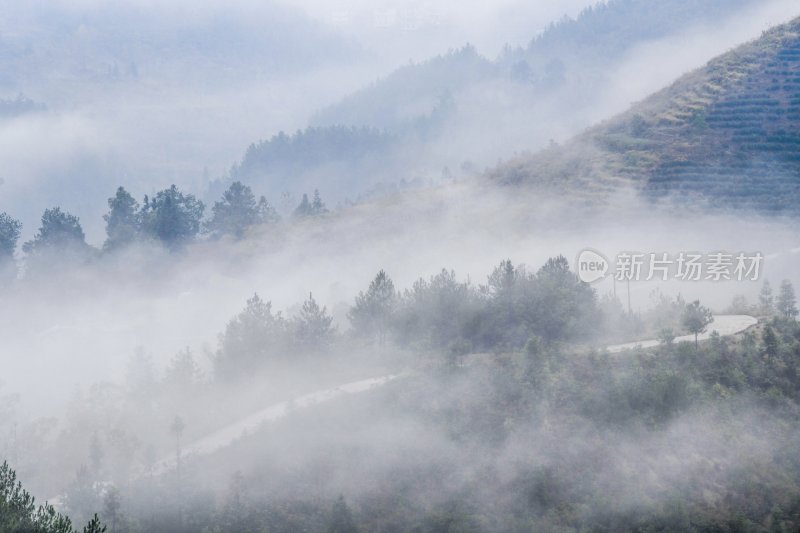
228	434
723	324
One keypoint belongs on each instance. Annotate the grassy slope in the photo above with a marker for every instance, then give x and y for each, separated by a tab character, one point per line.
728	132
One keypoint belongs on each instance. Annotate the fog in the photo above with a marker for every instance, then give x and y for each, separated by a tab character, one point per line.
422	354
189	110
85	330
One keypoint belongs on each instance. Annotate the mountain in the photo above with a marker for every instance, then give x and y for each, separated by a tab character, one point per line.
569	52
409	92
602	33
331	159
461	111
727	134
127	41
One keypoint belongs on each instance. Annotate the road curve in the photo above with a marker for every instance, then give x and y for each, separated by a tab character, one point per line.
226	435
723	324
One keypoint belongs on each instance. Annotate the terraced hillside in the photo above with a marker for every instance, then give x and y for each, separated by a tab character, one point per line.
727	134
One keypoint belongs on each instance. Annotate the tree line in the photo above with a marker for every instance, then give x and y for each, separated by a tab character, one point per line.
170	217
558	395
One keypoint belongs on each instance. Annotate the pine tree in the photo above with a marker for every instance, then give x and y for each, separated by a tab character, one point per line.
94	526
304	209
254	337
696	319
373	311
313	328
266	213
183	372
9	235
238	211
787	303
59	230
59	243
317	205
19	513
766	299
310	208
770	342
122	220
172	217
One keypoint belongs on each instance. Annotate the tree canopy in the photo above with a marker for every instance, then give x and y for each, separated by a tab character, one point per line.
20	514
172	217
787	303
238	210
9	235
696	318
60	231
374	309
123	221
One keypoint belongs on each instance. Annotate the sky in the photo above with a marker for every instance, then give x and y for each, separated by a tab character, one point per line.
420	29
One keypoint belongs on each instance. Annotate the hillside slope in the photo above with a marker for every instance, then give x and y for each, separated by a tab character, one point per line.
728	133
569	55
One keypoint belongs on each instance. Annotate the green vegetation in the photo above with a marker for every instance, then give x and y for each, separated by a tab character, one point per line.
238	211
696	319
541	439
309	209
9	235
334	156
504	420
385	103
171	218
726	134
583	47
604	31
19	513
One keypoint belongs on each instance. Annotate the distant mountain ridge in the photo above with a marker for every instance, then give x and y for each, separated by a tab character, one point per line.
727	134
569	49
410	92
113	41
462	111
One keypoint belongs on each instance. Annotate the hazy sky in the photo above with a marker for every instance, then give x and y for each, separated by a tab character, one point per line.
411	28
420	29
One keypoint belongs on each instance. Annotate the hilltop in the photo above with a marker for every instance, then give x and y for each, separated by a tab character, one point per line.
727	134
563	57
459	112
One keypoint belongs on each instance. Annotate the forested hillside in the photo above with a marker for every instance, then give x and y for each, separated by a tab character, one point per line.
727	134
125	42
604	31
429	111
548	292
568	51
411	91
